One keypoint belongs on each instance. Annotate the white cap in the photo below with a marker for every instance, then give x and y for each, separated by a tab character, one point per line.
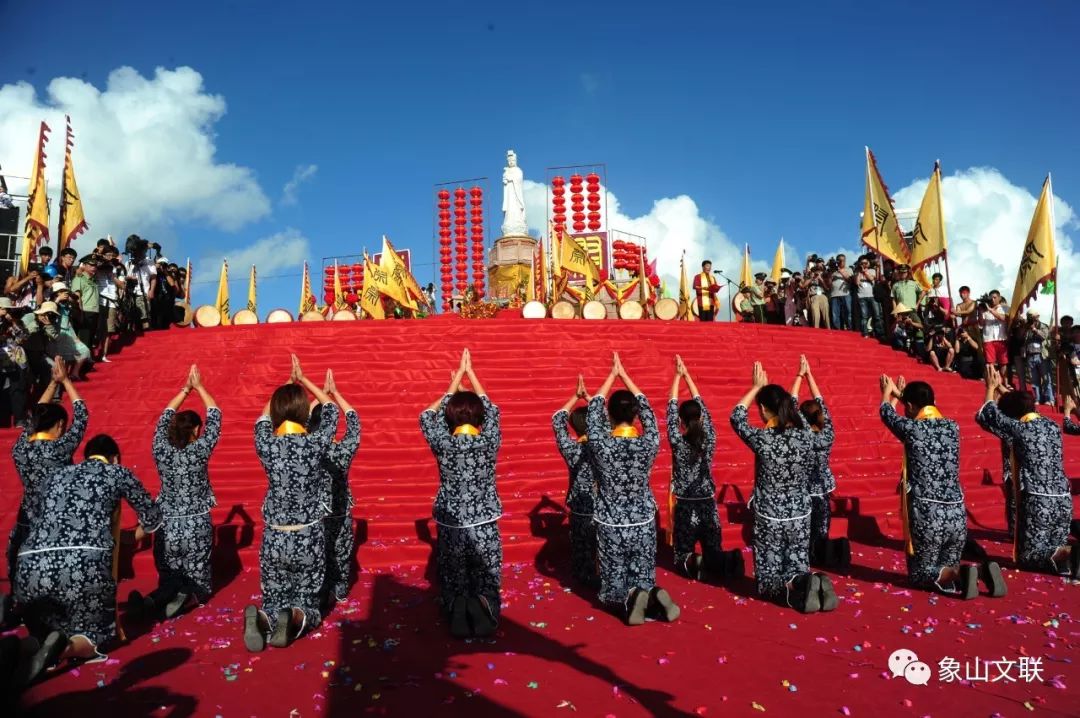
58	287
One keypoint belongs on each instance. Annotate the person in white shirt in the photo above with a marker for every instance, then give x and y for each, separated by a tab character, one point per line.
840	293
942	293
142	276
869	309
994	318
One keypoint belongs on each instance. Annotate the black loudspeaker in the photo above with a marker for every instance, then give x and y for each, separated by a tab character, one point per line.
9	220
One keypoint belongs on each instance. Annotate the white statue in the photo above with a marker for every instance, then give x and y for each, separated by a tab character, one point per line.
513	206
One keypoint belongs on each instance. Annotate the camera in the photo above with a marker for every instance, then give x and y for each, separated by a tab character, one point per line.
136	245
35	267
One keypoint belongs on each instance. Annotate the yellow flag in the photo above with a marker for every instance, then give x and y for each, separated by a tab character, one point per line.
778	262
307	299
37	205
401	286
880	229
222	301
72	219
572	258
746	277
252	304
1039	262
685	301
371	299
928	241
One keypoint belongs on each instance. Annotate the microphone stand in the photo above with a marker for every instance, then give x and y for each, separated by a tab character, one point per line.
730	284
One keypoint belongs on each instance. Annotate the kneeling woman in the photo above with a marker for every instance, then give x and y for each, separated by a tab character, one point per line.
182	448
462	428
292	560
625	512
783	454
65	581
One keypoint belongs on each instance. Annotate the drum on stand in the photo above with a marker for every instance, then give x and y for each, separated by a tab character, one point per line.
344	315
182	315
245	316
534	310
594	310
666	309
279	316
631	310
312	316
207	316
563	309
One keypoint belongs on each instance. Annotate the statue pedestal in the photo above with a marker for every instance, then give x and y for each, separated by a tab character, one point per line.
510	264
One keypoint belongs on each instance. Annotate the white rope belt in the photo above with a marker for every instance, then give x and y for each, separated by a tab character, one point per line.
290	528
935	501
1052	496
639	523
467	526
62	548
578	513
773	518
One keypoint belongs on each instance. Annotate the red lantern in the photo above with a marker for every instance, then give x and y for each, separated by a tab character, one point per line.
557	181
329	297
351	298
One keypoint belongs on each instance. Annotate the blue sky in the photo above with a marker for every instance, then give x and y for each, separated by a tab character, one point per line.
757	111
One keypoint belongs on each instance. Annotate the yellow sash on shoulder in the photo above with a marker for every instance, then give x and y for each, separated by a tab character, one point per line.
927	412
772	423
583	438
42	436
625	432
289	427
467	430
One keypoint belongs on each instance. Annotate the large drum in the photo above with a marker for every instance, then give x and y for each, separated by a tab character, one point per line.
666	308
594	310
279	316
312	317
534	310
563	309
631	310
344	315
182	315
207	316
245	316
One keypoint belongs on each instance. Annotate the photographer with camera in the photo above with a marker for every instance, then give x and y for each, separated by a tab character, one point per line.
42	327
14	368
816	292
85	288
969	355
111	281
67	344
840	278
27	291
1036	363
993	315
869	310
142	279
169	288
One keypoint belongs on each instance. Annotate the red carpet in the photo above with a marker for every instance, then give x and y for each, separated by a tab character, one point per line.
384	653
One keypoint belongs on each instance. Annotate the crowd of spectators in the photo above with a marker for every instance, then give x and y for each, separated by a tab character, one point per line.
883	300
79	310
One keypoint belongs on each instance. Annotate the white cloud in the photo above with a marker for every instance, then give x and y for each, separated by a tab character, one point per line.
673	225
301	174
287	249
144	151
986	220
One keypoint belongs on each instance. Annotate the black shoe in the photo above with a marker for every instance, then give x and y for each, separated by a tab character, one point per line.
823	553
661	604
969	582
636	606
480	616
990	573
829	601
1074	562
459	618
177	604
695	567
734	566
842	552
46	656
10	649
287	629
974	552
255	629
805	593
6	605
1074	529
140	606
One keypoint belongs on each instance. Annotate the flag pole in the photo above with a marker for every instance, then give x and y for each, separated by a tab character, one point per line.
877	230
945	249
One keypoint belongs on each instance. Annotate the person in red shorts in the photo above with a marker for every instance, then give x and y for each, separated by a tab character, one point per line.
994	318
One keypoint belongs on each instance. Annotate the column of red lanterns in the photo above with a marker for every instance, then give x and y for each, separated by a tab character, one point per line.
461	242
476	198
558	205
577	203
592	186
445	269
